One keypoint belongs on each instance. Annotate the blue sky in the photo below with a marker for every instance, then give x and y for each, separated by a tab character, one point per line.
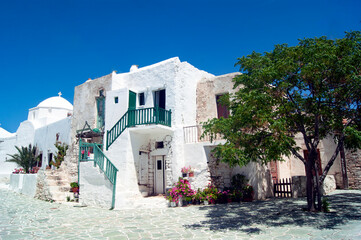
50	46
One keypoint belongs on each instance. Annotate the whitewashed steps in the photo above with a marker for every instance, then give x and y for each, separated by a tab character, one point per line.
58	185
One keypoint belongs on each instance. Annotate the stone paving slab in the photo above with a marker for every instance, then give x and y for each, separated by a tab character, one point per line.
22	217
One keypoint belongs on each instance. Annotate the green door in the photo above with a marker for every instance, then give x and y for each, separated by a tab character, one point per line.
132	100
132	108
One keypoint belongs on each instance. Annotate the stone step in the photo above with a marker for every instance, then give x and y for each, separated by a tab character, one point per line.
53	177
58	183
59	189
61	196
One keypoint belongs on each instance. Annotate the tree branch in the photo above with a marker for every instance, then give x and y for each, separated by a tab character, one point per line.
298	155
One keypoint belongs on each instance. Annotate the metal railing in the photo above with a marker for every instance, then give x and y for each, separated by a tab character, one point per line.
193	134
86	150
134	117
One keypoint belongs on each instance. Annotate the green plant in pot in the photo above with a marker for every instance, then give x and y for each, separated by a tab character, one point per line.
74	187
248	193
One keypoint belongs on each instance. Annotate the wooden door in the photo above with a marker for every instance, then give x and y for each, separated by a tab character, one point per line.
159	175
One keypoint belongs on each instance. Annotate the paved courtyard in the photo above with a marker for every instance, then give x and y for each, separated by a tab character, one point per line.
22	217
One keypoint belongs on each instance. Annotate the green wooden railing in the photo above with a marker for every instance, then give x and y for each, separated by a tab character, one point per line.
99	159
135	117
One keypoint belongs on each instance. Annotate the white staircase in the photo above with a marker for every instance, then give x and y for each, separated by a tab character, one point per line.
58	184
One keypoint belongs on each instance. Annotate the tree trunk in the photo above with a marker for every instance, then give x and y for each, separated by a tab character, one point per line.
343	167
310	187
318	190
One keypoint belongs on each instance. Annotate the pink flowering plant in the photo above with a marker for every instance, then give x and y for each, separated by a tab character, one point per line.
181	189
223	196
210	194
18	170
186	170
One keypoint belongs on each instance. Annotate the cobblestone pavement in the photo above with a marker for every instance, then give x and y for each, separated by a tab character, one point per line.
22	217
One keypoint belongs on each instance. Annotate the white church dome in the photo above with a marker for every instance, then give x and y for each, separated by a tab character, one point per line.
56	102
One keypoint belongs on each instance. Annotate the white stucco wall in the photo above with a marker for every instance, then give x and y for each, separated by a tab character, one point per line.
95	189
23	183
7	146
45	137
25	133
198	156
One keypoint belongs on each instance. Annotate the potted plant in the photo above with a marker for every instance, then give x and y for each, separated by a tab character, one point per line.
181	192
172	198
236	196
197	198
191	173
210	194
248	193
187	171
74	187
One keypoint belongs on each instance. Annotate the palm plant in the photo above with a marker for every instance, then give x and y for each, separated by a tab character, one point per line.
26	157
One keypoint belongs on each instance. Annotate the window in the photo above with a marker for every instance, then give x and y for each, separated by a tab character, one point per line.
159	164
222	110
116	100
141	99
159	99
159	145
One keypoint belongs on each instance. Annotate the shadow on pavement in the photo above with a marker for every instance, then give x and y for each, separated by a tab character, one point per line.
277	212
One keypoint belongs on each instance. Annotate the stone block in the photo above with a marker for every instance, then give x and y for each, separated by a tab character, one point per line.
299	186
329	184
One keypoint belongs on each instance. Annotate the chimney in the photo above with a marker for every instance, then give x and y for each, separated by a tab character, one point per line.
133	68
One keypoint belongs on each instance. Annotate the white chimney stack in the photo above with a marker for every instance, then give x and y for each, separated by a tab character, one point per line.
133	68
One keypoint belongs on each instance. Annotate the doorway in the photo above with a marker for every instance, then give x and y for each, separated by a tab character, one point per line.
159	175
159	99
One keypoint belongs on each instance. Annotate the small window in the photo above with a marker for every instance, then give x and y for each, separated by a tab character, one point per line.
159	164
222	110
159	145
141	99
116	100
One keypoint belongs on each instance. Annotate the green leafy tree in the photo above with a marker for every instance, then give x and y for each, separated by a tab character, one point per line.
312	89
26	157
59	158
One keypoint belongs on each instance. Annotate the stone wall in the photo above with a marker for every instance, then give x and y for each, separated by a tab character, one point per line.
207	89
353	160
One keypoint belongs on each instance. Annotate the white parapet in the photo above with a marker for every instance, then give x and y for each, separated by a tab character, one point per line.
23	183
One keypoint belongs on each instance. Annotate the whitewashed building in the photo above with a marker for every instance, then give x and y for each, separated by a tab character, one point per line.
131	133
144	126
49	122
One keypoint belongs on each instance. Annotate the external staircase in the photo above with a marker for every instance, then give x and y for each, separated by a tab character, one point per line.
58	184
131	118
99	160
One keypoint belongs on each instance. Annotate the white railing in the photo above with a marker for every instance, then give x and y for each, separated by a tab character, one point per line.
192	134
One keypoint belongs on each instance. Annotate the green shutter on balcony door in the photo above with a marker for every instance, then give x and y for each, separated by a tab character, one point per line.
132	108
